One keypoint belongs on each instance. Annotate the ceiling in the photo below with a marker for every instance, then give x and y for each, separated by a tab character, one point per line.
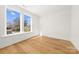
42	10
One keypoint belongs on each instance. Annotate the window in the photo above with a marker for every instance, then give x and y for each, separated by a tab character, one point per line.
27	23
13	21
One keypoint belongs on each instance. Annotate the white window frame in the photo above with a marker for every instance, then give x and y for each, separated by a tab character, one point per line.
21	21
6	21
30	23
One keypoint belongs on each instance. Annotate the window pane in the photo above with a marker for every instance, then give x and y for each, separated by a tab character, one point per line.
27	23
13	21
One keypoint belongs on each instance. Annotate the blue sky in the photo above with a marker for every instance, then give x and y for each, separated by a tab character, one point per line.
11	15
27	18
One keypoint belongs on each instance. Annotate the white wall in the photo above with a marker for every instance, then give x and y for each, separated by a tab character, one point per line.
75	26
2	21
57	24
8	40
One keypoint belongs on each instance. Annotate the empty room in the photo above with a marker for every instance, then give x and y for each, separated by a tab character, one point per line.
39	29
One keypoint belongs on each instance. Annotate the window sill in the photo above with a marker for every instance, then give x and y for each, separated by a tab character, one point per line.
15	34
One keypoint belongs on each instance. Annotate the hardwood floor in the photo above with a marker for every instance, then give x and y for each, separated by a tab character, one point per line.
40	45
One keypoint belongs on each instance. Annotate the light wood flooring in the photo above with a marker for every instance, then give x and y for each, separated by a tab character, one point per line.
40	45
